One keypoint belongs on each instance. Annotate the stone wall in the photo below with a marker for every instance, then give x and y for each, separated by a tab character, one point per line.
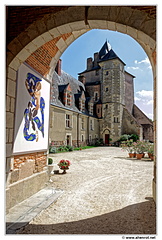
129	92
130	124
26	165
24	188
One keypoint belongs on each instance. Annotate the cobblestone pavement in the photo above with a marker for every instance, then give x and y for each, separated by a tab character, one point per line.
105	192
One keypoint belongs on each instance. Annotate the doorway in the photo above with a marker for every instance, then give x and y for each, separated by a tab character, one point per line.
106	139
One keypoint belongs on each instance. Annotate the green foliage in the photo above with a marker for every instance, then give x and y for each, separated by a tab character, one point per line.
134	137
52	149
126	137
69	148
99	142
85	147
50	161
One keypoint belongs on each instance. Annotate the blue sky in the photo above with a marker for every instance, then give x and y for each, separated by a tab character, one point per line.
131	53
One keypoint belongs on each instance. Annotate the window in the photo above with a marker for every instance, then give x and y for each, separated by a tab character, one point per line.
106	89
82	105
68	99
82	138
82	123
116	120
90	105
97	72
68	121
107	72
90	138
106	106
91	125
95	96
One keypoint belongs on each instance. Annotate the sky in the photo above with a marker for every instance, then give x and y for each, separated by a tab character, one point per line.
74	61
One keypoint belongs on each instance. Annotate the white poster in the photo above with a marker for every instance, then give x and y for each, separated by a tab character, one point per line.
32	112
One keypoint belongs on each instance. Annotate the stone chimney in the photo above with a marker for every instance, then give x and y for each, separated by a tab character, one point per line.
96	58
89	63
82	79
58	67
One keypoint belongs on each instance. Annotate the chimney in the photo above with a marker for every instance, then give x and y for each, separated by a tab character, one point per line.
58	67
82	79
96	58
89	63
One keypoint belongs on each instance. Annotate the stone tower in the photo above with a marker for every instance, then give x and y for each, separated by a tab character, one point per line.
112	93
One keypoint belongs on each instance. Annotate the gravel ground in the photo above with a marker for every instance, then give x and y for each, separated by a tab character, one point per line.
104	193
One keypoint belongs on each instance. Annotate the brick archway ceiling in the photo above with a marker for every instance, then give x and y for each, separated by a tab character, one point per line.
41	58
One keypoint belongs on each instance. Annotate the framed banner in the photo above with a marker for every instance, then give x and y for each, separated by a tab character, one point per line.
32	111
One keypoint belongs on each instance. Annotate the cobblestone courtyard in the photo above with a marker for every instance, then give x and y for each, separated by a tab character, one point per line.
105	192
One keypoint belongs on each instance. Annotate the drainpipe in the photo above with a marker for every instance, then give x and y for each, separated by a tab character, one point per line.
88	130
78	130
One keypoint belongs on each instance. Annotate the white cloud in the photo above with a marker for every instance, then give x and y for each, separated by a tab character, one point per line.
134	68
145	61
144	100
145	94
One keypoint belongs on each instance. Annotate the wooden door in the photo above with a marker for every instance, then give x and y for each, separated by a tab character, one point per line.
106	139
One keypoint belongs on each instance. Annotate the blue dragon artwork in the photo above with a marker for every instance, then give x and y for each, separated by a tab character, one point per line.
34	113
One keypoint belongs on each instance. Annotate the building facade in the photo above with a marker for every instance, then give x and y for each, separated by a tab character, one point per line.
99	105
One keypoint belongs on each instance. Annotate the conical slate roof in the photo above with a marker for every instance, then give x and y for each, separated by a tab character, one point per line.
106	53
104	50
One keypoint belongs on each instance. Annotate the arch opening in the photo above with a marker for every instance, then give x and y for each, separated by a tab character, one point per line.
53	43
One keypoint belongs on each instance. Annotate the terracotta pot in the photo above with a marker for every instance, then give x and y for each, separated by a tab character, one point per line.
151	156
139	155
131	155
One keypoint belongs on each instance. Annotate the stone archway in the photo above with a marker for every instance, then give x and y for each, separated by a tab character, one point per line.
44	40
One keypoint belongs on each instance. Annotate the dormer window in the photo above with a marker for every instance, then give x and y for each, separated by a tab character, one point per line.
90	108
68	99
82	105
97	72
95	96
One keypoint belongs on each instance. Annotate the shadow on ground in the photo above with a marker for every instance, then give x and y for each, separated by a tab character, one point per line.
134	219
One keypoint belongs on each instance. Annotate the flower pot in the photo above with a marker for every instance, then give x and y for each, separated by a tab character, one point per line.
131	155
134	155
151	156
64	169
139	155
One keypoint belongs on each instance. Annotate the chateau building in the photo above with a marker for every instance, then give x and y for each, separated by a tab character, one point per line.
99	105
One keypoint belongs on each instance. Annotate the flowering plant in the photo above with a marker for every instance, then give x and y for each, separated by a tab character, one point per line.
151	148
64	164
141	146
127	145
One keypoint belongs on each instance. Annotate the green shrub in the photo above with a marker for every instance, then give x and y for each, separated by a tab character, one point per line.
134	137
50	161
52	149
69	148
99	142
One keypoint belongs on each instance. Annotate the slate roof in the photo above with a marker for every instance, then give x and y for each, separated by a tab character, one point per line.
105	53
59	84
93	83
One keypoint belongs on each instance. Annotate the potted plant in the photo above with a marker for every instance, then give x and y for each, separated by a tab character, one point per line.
139	149
50	168
50	161
64	165
127	145
151	151
110	139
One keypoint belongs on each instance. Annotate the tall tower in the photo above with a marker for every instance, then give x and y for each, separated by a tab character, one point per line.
112	93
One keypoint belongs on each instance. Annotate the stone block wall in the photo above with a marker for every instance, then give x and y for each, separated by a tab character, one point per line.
27	165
